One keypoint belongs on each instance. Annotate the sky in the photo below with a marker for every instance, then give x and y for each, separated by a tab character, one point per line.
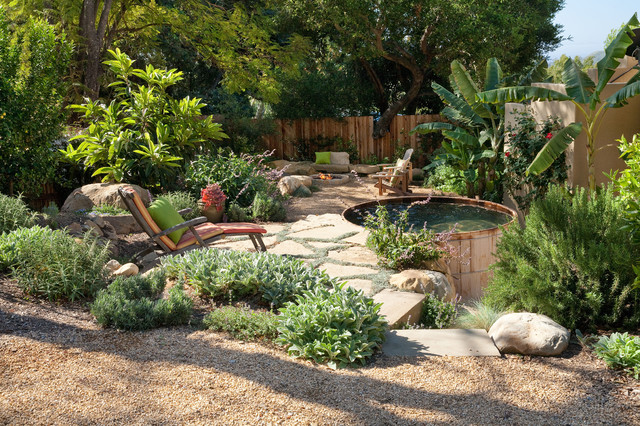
589	22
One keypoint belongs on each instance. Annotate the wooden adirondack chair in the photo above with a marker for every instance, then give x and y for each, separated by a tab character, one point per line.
200	234
395	177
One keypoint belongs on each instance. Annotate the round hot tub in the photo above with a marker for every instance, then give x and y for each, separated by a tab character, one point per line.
477	232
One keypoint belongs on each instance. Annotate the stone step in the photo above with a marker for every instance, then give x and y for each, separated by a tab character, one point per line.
445	342
399	306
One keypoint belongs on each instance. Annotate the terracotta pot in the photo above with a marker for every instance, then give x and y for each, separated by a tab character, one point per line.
213	213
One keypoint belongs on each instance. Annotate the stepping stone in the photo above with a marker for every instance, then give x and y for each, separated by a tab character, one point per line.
316	221
445	342
338	271
273	228
360	238
365	285
357	254
291	248
321	244
243	244
325	232
399	307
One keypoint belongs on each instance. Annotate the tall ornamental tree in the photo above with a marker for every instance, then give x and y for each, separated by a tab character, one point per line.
584	93
422	37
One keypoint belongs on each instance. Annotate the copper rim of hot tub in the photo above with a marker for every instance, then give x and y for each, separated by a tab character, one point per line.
470	268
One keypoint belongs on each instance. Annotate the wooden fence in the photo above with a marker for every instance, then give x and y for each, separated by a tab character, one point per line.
357	129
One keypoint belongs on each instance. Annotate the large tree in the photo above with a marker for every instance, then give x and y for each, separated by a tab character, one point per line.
229	35
420	38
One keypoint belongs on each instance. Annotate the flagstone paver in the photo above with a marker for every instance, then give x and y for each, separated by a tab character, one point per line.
360	238
365	285
355	254
335	270
400	306
323	245
292	248
446	342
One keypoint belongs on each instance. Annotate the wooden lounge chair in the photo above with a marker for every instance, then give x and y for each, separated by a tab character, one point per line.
407	156
200	234
395	177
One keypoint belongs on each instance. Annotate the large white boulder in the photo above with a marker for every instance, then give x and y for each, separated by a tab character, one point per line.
529	334
98	194
424	282
288	185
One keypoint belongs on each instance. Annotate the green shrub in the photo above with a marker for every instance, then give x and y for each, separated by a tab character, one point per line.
446	178
183	200
109	210
479	315
14	214
235	213
241	177
132	304
222	273
268	208
340	328
143	135
52	264
572	262
243	323
527	138
620	351
436	313
400	247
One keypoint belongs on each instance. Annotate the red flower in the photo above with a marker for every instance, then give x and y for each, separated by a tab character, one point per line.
549	136
506	154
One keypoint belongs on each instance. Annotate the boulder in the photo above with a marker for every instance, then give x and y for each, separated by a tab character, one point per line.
418	174
333	168
301	168
278	164
123	224
364	169
304	180
74	228
109	231
529	334
94	228
126	270
98	194
340	158
424	282
113	265
302	192
288	185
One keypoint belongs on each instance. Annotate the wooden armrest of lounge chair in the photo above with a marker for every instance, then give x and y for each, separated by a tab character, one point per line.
187	224
185	211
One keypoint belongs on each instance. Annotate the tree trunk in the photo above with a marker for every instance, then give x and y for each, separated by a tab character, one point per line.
93	29
382	99
381	127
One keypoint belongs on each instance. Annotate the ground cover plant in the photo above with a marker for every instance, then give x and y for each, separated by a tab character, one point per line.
437	313
14	214
340	327
231	274
50	263
572	262
243	323
446	178
620	351
478	315
133	303
399	246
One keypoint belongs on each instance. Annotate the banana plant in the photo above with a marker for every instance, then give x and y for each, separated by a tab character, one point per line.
584	93
474	131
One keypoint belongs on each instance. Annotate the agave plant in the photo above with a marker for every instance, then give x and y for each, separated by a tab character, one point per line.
584	93
474	131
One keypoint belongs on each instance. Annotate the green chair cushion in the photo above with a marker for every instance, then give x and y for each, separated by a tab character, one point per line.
323	157
166	216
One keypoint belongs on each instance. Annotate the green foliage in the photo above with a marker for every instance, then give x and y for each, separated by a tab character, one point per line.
34	63
243	323
436	313
143	136
555	70
446	178
183	200
14	214
235	213
108	210
221	273
305	149
241	177
132	303
340	328
400	247
620	351
526	139
268	208
52	264
572	262
479	315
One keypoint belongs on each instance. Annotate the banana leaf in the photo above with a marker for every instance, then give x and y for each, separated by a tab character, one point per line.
493	75
432	127
468	89
521	93
556	146
578	84
457	103
622	96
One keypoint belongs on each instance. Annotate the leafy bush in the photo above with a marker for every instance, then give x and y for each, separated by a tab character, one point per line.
446	178
220	273
241	177
14	214
52	264
340	328
183	200
436	313
143	135
400	247
620	351
268	208
572	262
132	304
34	64
527	138
237	213
243	323
108	210
479	315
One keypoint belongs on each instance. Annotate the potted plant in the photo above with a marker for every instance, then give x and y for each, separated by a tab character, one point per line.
212	202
